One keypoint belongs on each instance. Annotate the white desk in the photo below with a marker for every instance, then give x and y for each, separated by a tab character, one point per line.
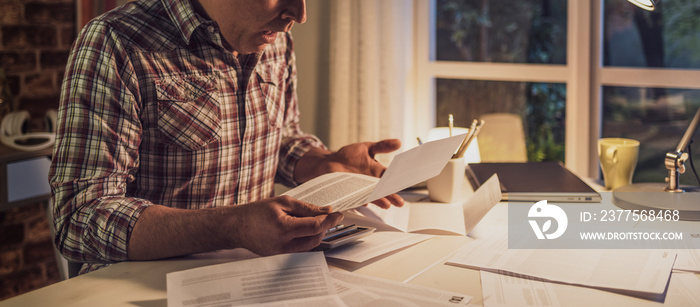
144	283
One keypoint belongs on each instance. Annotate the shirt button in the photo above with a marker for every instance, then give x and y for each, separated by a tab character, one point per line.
211	29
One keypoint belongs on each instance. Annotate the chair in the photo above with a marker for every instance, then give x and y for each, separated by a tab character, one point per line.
502	138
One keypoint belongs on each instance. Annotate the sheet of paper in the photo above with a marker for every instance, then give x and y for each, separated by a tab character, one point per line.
501	290
344	191
686	285
481	202
638	272
360	290
376	244
688	260
260	280
688	251
316	301
416	165
433	218
682	291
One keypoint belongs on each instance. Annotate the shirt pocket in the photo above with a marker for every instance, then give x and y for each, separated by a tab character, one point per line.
189	114
270	78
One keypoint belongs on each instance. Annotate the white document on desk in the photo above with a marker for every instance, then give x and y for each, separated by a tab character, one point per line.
374	245
360	290
261	280
344	191
432	218
509	289
633	272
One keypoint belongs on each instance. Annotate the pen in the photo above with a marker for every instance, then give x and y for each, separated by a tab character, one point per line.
451	120
463	145
473	131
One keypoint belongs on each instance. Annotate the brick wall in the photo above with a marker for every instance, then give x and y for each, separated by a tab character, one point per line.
27	258
35	38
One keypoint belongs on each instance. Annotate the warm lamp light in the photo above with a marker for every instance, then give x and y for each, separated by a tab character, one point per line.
648	5
471	155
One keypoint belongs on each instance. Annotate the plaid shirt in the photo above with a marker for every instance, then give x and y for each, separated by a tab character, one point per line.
154	110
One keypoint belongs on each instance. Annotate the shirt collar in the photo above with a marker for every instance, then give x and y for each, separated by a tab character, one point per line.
182	14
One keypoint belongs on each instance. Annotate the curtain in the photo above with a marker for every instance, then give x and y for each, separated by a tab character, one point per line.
371	48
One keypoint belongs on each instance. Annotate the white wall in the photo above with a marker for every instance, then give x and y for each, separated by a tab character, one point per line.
311	42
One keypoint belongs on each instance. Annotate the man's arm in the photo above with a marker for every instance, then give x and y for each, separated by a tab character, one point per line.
267	227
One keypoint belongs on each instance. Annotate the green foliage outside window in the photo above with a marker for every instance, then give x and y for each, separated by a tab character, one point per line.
528	31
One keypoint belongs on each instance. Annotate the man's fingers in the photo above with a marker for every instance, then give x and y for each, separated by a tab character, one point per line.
391	200
312	225
382	203
299	208
303	244
384	146
395	200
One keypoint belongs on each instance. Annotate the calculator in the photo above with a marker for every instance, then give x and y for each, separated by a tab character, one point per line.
342	234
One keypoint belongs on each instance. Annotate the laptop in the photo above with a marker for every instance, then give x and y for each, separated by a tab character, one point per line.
534	181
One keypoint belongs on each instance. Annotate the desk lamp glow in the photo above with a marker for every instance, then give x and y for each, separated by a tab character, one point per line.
669	196
471	155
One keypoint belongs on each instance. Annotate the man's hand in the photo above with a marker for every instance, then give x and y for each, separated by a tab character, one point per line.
266	227
282	225
353	158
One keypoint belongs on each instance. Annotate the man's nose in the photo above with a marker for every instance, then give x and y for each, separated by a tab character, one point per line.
296	11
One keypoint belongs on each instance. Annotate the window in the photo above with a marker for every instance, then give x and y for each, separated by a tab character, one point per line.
529	31
575	70
657	114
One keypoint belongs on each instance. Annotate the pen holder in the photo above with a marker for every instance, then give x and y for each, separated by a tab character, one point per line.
448	186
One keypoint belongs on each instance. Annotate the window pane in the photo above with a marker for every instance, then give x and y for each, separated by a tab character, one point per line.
541	105
657	118
505	31
667	37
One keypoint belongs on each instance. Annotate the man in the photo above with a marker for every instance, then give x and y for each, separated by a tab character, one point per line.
176	118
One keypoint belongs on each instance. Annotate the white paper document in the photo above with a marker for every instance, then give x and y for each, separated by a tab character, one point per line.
344	191
506	290
634	272
359	290
377	244
509	289
301	279
685	286
260	280
432	218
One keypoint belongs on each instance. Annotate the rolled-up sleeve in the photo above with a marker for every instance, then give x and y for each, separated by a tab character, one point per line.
96	152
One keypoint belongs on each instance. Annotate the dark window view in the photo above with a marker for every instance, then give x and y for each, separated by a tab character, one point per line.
541	105
657	118
668	37
507	31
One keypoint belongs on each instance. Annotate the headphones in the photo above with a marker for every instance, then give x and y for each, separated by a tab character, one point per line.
13	131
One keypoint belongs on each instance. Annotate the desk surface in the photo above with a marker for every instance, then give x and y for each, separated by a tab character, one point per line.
143	283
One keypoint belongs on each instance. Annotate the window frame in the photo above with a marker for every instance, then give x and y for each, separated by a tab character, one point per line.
583	75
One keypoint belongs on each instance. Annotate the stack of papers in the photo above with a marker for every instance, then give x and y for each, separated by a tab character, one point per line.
289	279
414	223
508	289
432	218
642	273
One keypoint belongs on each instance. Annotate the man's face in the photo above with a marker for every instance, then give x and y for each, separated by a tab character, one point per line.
249	25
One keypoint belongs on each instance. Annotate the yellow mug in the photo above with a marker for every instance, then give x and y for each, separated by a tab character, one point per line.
618	159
